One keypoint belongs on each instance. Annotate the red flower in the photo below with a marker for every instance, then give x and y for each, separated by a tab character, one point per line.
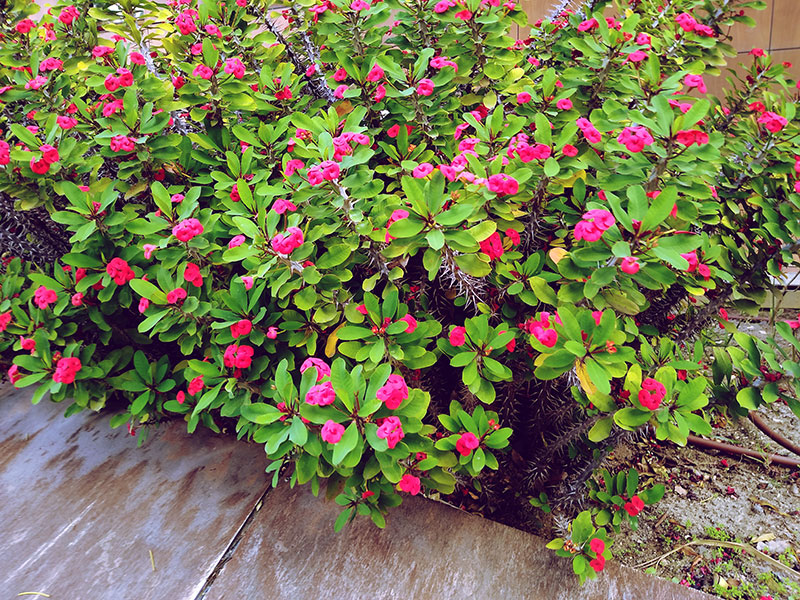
119	271
652	393
192	274
66	369
44	297
492	246
598	564
176	295
239	357
187	229
5	319
195	385
467	443
410	484
240	328
457	336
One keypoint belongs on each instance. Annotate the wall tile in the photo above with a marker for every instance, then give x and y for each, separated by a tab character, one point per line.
785	31
745	38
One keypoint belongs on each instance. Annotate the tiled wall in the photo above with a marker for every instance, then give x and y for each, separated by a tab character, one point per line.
777	30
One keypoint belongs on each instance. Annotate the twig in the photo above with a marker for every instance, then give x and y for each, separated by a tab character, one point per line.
33	594
152	560
721	544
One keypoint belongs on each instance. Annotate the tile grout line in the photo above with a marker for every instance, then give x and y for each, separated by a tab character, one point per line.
232	546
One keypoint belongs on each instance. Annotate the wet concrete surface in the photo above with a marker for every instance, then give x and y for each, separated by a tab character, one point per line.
81	507
427	551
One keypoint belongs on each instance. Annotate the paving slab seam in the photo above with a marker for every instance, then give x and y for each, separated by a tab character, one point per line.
233	545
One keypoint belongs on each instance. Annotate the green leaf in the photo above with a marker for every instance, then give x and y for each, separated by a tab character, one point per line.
345	445
601	429
298	432
260	413
148	290
749	398
582	528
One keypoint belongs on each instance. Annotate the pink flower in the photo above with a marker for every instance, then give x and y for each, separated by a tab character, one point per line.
412	323
635	138
36	83
630	265
588	25
280	206
458	336
66	122
14	375
502	184
44	297
321	395
339	92
464	15
391	430
643	39
27	344
235	67
340	74
66	369
686	21
393	392
176	295
241	327
196	385
136	58
652	393
285	243
236	241
425	87
569	150
5	319
467	443
144	304
772	121
440	62
598	563
695	81
564	104
121	143
68	14
323	369
293	166
691	136
634	507
332	432
51	64
272	332
410	484
185	21
375	74
187	229
5	153
247	281
192	274
40	167
492	246
180	397
423	170
547	337
380	93
239	357
523	98
148	250
203	72
589	131
24	26
594	223
597	546
396	215
359	5
636	56
49	153
119	271
101	51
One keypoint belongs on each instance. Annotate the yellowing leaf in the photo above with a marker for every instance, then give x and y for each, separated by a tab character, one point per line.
539	360
333	339
568	182
583	377
556	254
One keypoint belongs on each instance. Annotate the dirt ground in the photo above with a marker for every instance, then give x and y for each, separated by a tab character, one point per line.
717	497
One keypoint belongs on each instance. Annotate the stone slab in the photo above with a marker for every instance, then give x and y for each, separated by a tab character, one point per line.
427	551
81	507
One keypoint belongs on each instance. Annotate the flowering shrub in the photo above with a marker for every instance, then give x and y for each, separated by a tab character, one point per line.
342	235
